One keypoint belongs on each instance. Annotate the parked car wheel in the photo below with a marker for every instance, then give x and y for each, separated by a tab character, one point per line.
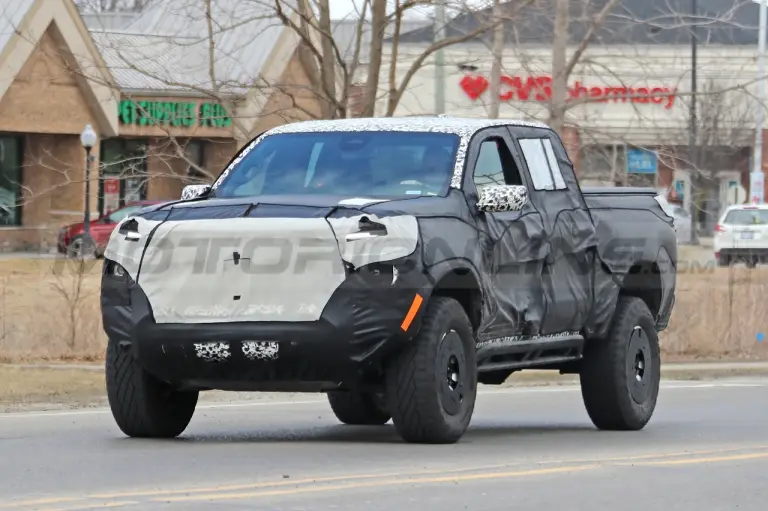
76	247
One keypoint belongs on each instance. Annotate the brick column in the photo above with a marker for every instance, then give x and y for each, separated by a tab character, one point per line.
356	102
763	167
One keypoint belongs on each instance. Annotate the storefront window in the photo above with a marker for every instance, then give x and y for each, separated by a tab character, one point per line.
194	155
10	180
123	173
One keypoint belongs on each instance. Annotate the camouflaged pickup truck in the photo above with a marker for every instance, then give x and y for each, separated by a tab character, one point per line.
394	264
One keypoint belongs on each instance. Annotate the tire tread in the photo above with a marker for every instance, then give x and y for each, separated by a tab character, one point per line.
411	395
604	377
136	399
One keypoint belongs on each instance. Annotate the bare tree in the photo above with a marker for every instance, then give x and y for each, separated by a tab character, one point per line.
338	65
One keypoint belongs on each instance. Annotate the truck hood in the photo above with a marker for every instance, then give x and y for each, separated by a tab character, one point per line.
226	260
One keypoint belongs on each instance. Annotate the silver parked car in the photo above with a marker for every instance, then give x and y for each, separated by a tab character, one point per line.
682	219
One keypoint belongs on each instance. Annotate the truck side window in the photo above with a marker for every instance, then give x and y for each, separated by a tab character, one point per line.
495	165
542	164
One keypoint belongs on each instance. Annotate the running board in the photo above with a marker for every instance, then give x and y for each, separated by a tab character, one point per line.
515	353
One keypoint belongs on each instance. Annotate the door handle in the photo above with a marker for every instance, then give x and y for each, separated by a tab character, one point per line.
362	235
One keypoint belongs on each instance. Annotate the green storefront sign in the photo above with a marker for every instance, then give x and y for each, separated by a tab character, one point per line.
173	113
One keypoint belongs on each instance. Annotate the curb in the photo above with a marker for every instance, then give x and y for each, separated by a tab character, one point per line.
669	370
699	371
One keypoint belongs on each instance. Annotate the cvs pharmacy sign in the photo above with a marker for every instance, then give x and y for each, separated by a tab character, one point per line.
539	88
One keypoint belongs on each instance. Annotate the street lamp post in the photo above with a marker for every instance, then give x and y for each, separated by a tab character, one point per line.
88	139
693	157
756	195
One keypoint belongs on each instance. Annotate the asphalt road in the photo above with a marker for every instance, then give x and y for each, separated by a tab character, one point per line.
706	449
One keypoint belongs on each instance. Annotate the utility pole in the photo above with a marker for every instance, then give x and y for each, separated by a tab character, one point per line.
756	180
693	129
498	49
439	35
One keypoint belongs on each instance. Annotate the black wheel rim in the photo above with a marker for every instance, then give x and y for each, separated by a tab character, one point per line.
451	373
639	366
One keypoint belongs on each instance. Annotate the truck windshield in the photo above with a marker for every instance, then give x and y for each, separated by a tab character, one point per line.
371	164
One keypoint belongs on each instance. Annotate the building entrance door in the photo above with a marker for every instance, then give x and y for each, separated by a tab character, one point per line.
731	191
124	175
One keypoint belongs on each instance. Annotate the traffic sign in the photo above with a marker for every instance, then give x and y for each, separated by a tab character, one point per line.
641	161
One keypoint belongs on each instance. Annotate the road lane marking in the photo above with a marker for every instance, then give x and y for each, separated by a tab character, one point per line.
661	455
669	385
398	478
697	461
103	505
40	502
294	482
354	477
374	484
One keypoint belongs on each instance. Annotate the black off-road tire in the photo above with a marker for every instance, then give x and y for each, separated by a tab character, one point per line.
358	408
620	375
419	390
142	405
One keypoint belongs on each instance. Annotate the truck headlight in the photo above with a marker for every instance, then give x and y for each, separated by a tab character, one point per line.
113	269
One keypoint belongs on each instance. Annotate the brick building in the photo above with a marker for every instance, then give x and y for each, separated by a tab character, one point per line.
164	116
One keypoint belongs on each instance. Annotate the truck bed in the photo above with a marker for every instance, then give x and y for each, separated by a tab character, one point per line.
618	190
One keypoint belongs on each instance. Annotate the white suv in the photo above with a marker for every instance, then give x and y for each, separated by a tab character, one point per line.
742	235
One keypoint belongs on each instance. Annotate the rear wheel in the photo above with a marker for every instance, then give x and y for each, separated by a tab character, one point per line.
142	405
359	408
620	375
431	386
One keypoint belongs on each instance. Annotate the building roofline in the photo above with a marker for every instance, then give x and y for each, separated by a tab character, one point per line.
176	93
98	89
139	34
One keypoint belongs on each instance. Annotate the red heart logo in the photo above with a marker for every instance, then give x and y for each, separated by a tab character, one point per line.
474	86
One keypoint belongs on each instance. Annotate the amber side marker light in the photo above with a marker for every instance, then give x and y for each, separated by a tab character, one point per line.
411	312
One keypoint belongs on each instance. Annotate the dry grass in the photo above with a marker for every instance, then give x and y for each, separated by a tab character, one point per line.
73	387
49	310
718	315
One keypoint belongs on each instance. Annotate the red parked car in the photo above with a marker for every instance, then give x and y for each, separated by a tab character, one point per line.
71	236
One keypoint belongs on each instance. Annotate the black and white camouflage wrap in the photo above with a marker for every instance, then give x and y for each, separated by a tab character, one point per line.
212	351
194	191
463	128
500	198
261	350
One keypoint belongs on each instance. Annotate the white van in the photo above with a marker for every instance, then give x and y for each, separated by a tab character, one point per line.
742	235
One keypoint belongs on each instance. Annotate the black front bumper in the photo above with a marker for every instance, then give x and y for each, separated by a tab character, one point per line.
359	328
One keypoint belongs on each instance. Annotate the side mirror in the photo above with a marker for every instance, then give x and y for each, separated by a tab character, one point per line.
191	192
500	198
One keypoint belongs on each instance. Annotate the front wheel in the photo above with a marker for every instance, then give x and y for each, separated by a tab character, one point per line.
620	375
142	405
431	386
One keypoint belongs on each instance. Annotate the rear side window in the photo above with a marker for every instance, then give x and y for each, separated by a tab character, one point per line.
542	164
747	217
